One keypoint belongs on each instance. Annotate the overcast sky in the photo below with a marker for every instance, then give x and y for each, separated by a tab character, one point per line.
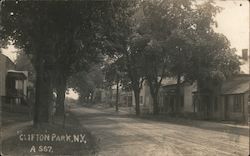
233	22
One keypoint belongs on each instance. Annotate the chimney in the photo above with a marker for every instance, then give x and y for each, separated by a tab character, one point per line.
245	54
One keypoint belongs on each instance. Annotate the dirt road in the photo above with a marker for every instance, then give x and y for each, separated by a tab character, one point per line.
120	135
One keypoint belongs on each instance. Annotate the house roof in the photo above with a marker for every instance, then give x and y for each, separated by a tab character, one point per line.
19	75
170	81
6	57
237	85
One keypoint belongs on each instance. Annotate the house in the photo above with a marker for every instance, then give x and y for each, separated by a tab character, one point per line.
5	65
13	84
108	96
167	97
145	99
234	98
229	103
16	87
125	98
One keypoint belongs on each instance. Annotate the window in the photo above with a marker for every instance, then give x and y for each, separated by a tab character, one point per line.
216	104
238	102
19	84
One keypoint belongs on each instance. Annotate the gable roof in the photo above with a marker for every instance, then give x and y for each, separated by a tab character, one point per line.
236	85
170	81
6	57
18	75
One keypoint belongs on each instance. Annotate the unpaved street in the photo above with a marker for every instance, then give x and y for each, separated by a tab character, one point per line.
120	135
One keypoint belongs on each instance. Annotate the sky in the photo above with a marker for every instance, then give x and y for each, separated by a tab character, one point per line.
233	22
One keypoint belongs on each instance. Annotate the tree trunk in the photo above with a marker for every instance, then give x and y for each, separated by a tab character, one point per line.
155	104
117	96
60	89
137	100
43	95
154	89
178	95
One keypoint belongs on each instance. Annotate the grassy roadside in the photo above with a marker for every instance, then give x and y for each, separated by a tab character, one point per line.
8	118
21	143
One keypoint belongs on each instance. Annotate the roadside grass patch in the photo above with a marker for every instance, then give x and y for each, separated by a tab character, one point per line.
51	139
8	118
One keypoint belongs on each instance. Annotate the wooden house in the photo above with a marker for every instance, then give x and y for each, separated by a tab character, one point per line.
13	84
230	102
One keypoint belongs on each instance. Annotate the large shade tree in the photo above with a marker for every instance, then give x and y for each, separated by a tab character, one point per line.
61	38
163	22
182	43
124	42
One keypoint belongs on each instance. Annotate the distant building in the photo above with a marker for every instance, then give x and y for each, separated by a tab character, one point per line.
108	97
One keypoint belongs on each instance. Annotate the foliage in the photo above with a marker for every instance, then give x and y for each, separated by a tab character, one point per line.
120	43
62	37
145	39
182	43
23	63
86	82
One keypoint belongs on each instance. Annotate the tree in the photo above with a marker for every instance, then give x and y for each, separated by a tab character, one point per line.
60	36
212	58
23	62
86	83
161	22
179	33
115	74
112	77
124	42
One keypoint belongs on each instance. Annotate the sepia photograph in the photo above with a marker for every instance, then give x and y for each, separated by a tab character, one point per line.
124	78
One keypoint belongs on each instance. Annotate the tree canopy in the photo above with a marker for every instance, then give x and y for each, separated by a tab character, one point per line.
149	40
61	37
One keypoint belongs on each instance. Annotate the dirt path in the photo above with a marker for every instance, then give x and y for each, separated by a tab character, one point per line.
120	135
